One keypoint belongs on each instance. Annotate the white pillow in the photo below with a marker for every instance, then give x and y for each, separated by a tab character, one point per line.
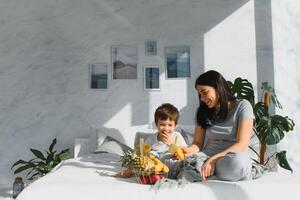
109	138
111	145
143	134
187	133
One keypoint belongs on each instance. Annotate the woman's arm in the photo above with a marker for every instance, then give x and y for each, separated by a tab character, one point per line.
196	146
241	145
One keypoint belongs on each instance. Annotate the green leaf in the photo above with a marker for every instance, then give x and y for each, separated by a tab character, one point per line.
260	110
65	154
282	160
242	88
18	162
52	145
49	158
271	129
24	167
38	154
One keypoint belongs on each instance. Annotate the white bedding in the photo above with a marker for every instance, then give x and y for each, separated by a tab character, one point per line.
89	178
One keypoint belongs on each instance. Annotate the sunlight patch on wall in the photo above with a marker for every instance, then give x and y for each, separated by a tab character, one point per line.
230	46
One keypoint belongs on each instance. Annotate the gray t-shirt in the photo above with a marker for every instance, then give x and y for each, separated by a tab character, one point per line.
222	135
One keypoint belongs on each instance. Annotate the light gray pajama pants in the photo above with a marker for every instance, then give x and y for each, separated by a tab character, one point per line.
232	167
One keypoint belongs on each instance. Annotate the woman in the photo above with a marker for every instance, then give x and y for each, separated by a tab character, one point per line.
222	132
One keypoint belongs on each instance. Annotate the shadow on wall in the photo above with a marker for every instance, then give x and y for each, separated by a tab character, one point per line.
264	45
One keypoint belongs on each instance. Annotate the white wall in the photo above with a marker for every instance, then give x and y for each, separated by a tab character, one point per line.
46	46
286	41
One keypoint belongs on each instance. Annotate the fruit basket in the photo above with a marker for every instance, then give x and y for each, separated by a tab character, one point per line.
149	178
147	168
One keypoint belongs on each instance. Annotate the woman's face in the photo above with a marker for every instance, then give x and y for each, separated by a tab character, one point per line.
208	95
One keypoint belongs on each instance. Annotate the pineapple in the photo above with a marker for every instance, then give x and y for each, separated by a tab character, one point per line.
128	158
140	161
133	161
143	163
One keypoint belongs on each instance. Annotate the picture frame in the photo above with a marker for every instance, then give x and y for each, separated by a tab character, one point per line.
151	77
177	61
150	48
124	62
98	73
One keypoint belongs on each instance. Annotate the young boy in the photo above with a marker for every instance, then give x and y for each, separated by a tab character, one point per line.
166	118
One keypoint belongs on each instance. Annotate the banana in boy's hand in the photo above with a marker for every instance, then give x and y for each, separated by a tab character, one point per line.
177	151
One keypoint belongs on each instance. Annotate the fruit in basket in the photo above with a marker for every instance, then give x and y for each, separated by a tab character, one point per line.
146	148
127	158
143	163
159	166
150	179
144	179
177	151
155	177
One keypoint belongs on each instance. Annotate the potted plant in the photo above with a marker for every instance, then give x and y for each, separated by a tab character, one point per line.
41	164
269	129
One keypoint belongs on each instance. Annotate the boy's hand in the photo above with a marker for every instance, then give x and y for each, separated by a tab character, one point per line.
165	138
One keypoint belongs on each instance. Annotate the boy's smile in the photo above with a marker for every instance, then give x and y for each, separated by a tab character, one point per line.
165	126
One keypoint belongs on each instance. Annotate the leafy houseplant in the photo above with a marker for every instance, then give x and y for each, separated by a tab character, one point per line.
269	129
41	164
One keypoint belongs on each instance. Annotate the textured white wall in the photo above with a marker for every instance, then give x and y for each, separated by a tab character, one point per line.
234	57
286	41
46	46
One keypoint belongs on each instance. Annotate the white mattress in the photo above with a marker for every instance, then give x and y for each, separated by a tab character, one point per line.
89	178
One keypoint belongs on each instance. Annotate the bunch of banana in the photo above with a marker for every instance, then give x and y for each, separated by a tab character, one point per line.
177	150
159	166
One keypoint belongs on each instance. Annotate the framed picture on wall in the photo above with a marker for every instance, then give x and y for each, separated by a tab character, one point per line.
98	76
124	62
177	61
150	48
151	78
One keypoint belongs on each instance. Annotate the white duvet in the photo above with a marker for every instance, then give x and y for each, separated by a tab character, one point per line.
89	178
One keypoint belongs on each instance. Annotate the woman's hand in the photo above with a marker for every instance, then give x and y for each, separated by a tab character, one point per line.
190	150
208	168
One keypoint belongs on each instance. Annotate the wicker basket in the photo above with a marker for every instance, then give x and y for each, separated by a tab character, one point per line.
147	177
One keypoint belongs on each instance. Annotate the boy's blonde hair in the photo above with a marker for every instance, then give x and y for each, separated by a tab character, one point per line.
166	111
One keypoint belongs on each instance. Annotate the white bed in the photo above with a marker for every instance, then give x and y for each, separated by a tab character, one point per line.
89	176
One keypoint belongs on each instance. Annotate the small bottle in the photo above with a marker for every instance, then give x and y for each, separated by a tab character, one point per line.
18	186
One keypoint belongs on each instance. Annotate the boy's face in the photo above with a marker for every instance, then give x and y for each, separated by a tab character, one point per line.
165	126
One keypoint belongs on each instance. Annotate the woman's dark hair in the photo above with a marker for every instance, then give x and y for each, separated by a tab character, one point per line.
207	116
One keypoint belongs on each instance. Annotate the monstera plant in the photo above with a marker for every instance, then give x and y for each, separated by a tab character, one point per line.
269	129
41	164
